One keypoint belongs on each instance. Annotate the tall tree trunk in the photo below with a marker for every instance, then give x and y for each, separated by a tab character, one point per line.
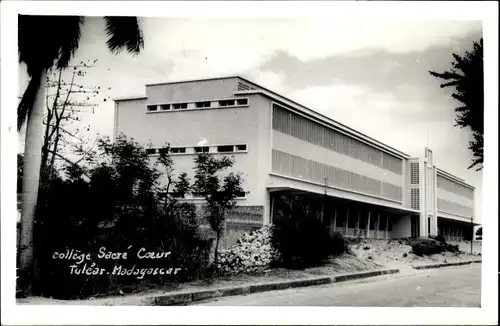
31	175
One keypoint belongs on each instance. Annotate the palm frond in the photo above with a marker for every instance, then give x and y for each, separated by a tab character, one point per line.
69	39
44	39
124	32
41	41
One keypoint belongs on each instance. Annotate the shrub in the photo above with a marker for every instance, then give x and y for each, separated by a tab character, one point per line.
306	243
427	246
253	252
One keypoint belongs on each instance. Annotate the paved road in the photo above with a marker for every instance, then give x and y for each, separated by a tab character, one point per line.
443	287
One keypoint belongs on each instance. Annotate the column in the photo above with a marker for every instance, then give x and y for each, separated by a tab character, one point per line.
368	225
387	227
333	222
377	226
268	210
346	221
357	230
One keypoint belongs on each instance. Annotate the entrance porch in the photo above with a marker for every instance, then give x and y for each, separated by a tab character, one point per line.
349	217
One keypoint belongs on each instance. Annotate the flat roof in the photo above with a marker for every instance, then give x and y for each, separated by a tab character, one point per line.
129	98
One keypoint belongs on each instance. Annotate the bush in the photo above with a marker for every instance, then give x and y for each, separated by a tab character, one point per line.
253	252
427	246
306	243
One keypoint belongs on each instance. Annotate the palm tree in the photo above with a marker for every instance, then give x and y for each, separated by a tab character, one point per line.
45	41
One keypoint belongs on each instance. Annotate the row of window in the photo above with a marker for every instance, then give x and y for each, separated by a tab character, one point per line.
199	149
301	168
199	105
414	173
353	220
315	133
451	207
458	189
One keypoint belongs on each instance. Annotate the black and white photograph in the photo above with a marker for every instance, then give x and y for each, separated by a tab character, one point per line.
289	155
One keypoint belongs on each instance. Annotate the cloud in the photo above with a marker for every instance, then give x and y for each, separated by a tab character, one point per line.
269	79
195	48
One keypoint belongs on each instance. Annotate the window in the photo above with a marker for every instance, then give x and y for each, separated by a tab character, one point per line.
241	148
373	221
203	104
151	151
152	107
180	106
227	103
414	173
242	101
178	150
340	218
204	149
353	219
163	150
225	149
382	223
241	194
165	107
415	199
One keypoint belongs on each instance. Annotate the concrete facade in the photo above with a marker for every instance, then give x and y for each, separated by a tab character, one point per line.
285	149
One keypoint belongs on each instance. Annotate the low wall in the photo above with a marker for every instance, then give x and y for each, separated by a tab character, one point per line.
239	220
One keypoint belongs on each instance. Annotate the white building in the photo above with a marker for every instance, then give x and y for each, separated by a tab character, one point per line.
285	149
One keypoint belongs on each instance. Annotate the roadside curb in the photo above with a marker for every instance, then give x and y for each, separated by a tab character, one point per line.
440	265
188	297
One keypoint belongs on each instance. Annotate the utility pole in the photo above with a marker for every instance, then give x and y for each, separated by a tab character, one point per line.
472	235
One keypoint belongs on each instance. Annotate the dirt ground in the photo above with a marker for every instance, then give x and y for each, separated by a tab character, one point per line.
397	254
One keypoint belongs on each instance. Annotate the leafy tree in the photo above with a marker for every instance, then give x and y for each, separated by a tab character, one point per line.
45	41
219	192
467	77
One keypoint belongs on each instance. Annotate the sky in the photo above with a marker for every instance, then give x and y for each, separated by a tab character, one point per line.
371	76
